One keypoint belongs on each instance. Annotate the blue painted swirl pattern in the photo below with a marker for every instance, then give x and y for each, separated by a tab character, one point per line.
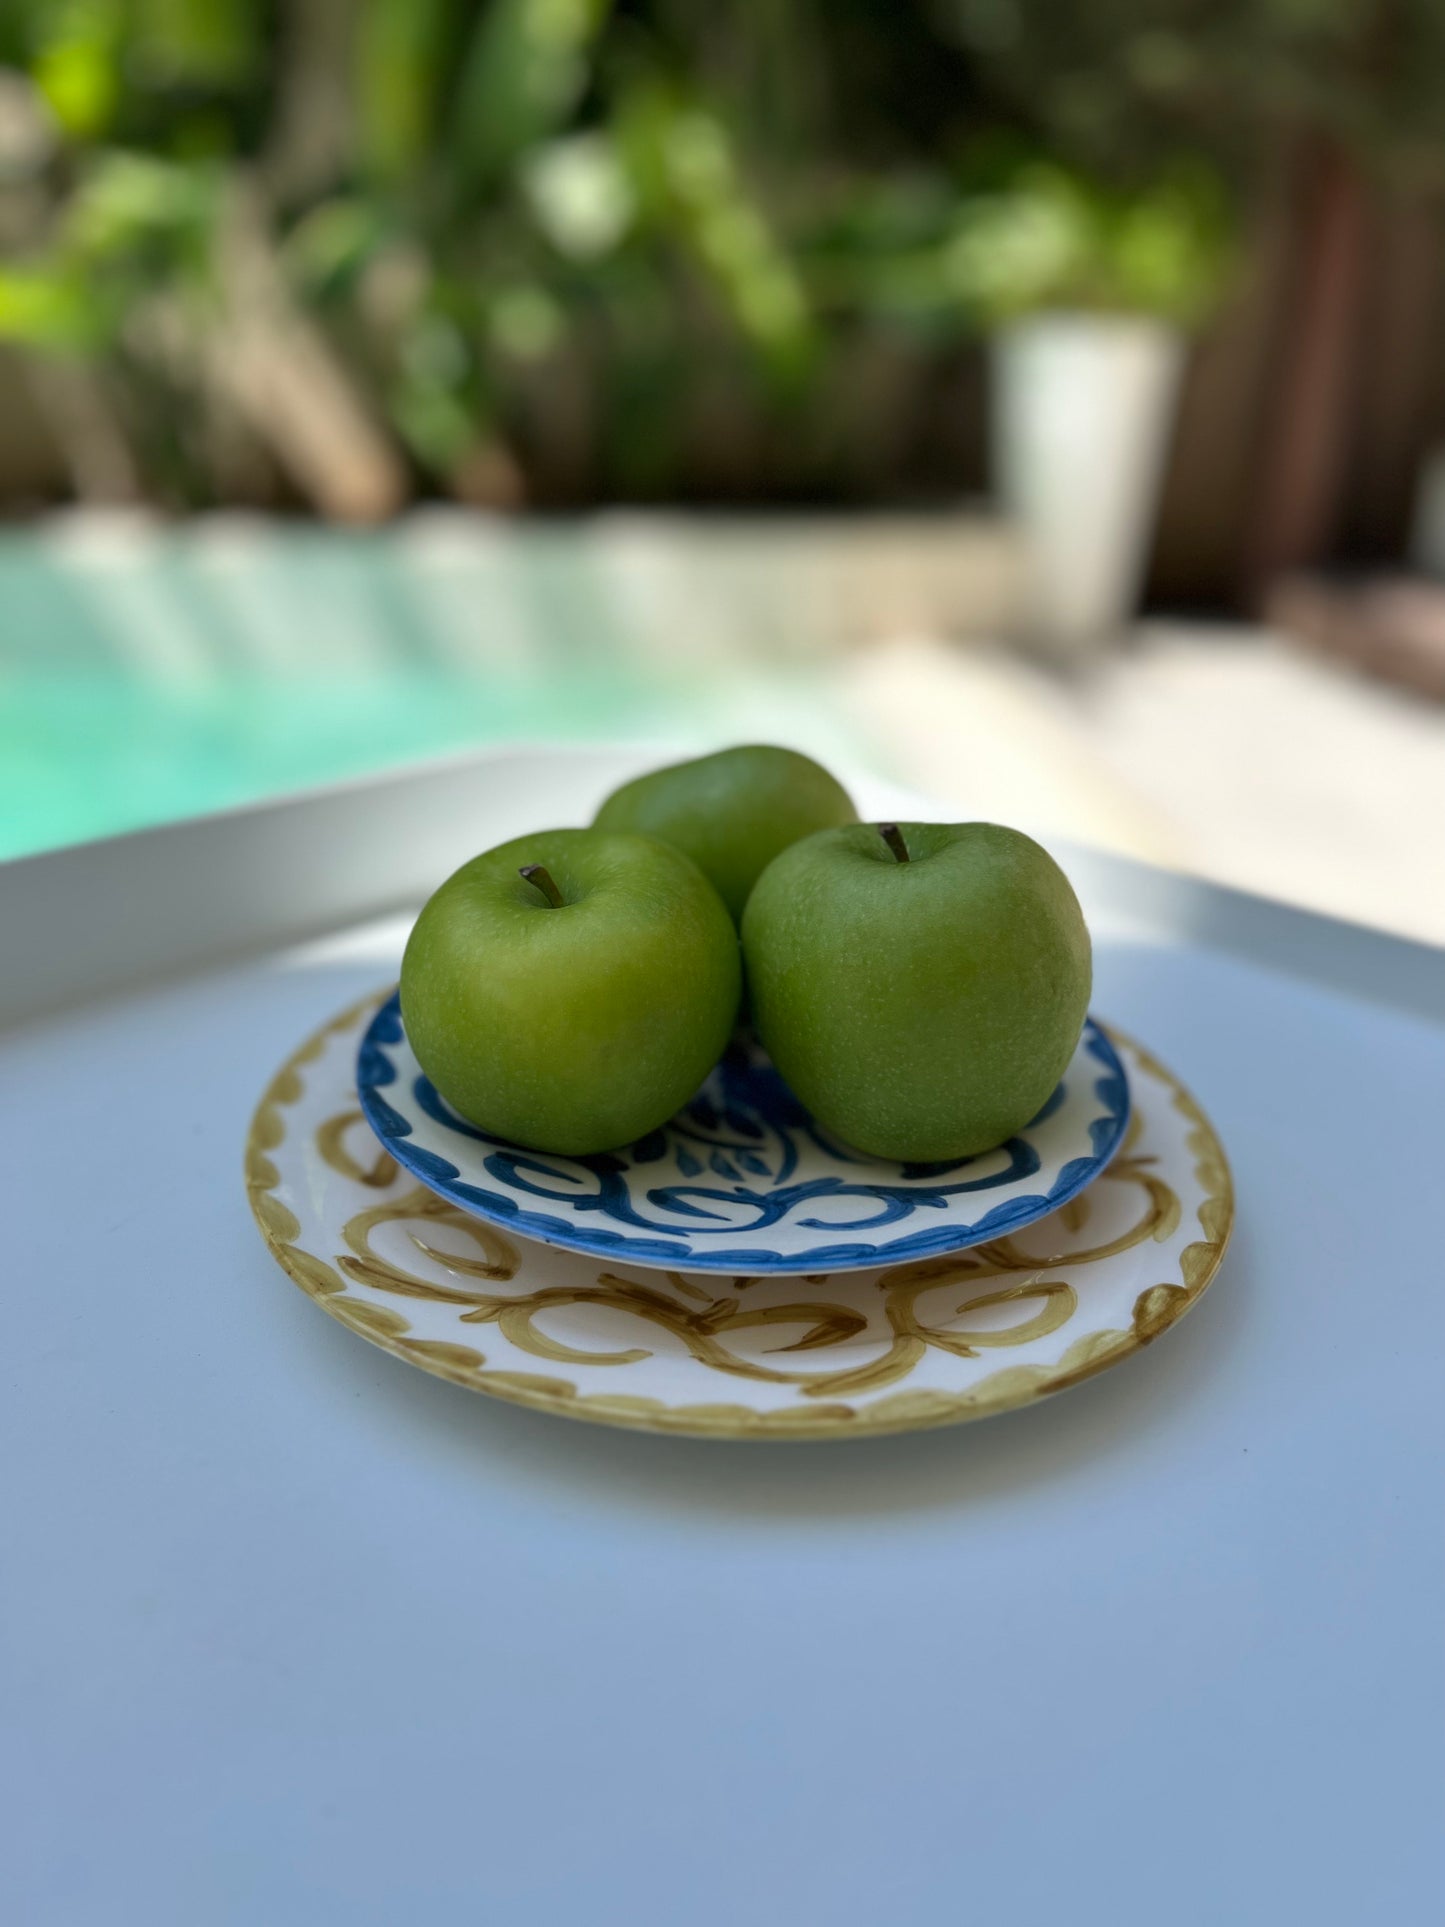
743	1179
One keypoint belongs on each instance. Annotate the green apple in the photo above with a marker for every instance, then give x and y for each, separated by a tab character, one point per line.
732	812
570	990
921	986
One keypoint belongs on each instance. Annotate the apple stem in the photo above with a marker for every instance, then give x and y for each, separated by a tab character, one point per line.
540	878
893	837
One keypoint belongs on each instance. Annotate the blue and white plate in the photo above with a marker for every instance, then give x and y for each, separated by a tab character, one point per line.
743	1180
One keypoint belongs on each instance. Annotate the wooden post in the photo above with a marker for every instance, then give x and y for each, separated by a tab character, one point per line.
1305	443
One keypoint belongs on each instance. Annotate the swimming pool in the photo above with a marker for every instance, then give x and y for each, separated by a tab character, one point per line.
150	673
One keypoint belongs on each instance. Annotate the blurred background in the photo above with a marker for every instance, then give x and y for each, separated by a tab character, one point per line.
1040	403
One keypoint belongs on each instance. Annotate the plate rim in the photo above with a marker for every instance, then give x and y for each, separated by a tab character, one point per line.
940	1242
1155	1310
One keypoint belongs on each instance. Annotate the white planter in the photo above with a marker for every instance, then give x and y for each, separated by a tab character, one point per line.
1083	408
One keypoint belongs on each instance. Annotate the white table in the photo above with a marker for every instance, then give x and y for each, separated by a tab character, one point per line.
295	1634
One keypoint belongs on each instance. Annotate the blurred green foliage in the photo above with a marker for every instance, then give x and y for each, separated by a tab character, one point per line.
1053	239
577	249
1120	83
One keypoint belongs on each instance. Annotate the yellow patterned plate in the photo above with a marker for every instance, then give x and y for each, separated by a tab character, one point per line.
826	1356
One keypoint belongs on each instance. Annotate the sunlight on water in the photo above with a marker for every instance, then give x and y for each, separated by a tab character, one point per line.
146	676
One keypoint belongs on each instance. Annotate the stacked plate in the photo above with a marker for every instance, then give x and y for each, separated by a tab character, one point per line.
739	1273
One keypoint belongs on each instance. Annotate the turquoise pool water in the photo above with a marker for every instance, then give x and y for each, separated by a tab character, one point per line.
87	758
146	676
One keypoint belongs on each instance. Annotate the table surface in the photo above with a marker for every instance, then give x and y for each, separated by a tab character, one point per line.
292	1633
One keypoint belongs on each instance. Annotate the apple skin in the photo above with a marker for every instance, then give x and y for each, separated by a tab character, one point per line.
732	812
923	1010
581	1028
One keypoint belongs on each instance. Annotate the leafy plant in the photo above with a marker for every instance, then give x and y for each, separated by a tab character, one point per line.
544	249
1055	240
1121	86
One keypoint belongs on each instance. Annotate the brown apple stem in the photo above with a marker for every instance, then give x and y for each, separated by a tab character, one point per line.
540	878
893	837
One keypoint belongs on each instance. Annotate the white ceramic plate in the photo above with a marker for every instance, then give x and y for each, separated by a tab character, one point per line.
743	1179
884	1349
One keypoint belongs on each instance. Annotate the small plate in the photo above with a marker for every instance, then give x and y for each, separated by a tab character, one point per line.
743	1179
839	1355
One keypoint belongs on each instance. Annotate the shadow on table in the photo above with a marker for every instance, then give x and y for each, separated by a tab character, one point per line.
1125	1410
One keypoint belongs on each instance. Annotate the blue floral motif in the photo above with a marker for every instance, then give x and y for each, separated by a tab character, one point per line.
744	1159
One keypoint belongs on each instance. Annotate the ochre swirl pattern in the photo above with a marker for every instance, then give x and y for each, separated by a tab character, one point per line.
706	1320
